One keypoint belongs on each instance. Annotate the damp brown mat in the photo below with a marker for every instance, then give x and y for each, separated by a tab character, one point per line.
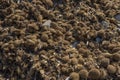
59	39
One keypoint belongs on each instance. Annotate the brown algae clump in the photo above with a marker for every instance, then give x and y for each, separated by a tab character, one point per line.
103	74
111	69
74	76
105	62
74	61
66	59
55	39
83	74
44	37
94	74
116	56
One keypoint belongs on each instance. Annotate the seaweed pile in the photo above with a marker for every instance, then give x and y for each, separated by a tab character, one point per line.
59	39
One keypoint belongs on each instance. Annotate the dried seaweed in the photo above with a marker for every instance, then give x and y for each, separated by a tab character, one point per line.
59	39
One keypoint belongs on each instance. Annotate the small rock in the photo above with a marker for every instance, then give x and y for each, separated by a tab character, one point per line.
47	23
98	39
68	78
105	24
118	24
17	1
117	16
30	0
118	29
75	44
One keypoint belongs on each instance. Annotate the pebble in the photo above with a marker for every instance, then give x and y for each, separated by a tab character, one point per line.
30	0
105	24
118	29
47	23
68	78
117	16
75	44
98	39
118	25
